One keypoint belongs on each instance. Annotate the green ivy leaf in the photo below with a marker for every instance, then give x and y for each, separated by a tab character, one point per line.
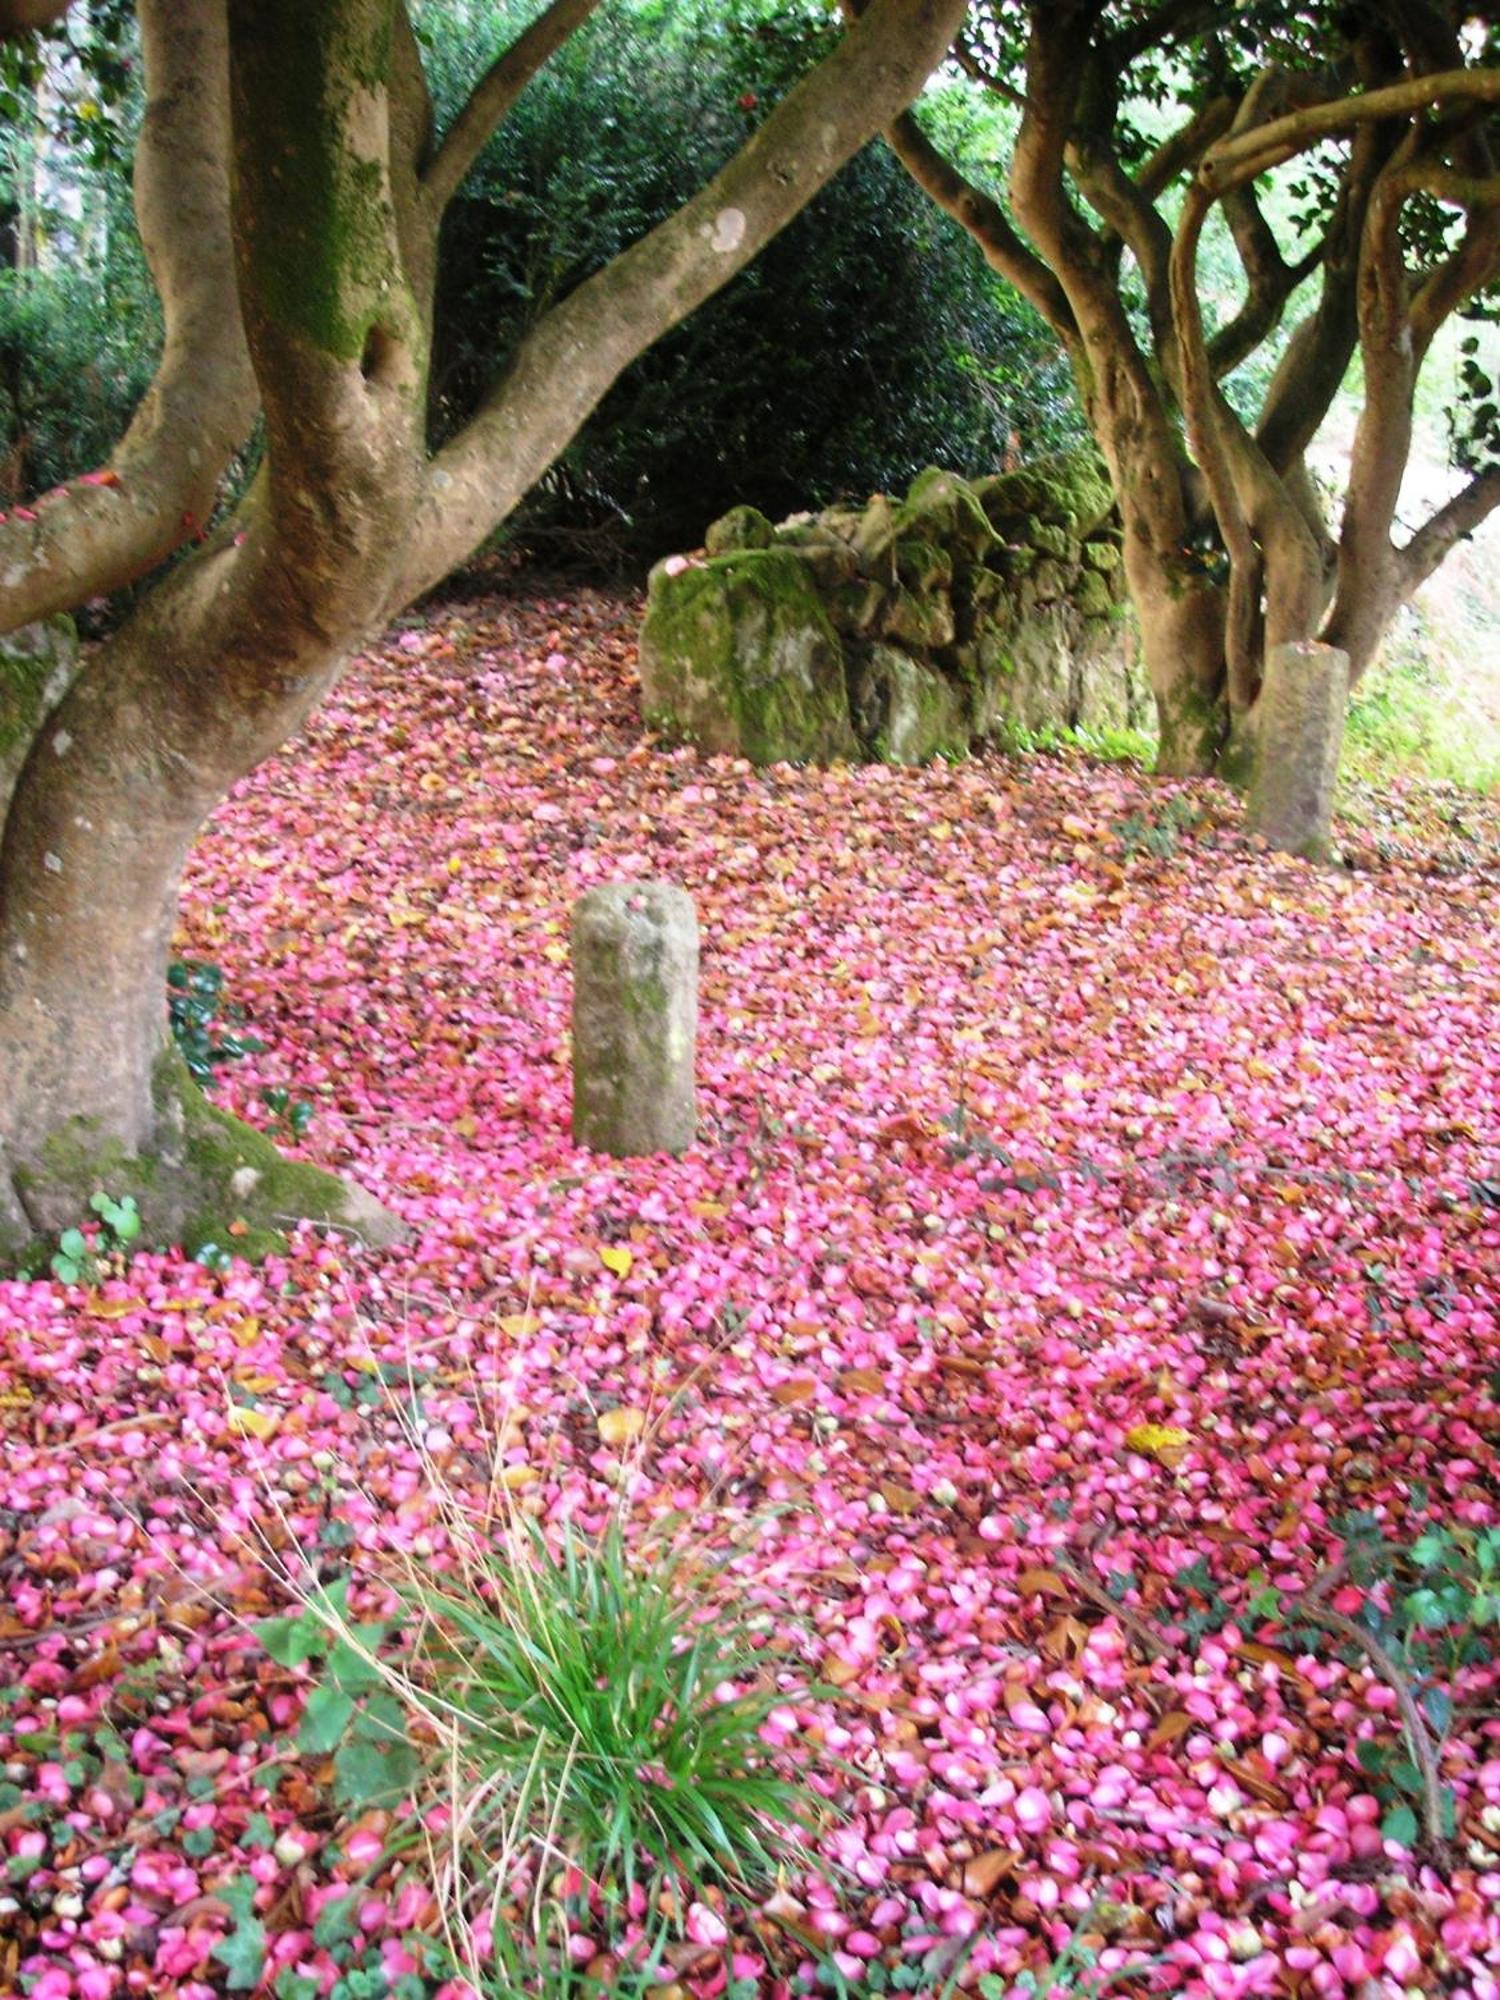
368	1773
324	1720
1400	1825
337	1920
243	1951
291	1641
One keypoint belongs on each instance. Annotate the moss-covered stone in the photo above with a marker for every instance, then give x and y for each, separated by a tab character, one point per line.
907	713
1069	489
944	509
875	535
923	565
1022	629
740	528
856	607
739	656
1052	540
1092	597
923	623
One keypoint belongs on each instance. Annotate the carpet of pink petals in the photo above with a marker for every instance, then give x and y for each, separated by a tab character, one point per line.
1015	1138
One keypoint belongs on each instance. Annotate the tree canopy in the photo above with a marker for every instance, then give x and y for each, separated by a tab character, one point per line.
1372	129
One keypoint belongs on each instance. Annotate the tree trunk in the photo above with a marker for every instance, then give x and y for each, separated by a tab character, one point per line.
119	778
1181	618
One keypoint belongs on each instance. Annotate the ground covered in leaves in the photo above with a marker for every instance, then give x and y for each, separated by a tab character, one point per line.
1082	1297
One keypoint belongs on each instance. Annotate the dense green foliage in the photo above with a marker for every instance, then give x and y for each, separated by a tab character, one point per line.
866	342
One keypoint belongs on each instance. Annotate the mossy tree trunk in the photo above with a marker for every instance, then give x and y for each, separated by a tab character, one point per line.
309	292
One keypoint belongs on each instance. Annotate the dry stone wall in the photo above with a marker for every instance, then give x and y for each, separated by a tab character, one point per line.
901	631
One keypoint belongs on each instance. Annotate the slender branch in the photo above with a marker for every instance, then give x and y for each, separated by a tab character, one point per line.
491	100
984	219
1200	399
1120	203
1451	524
976	72
1418	1736
1185	147
1262	147
1150	1641
95	535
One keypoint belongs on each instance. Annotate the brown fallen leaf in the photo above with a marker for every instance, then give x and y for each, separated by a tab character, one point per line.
986	1871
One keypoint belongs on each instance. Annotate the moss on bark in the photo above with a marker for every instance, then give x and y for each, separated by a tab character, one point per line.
209	1178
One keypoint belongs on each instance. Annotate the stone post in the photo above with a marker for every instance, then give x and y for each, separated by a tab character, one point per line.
635	1018
1299	732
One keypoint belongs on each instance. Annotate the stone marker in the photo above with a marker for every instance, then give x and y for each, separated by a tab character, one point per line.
1299	734
635	1018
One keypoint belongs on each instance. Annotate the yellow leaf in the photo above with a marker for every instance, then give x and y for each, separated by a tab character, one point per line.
113	1308
516	1476
255	1385
247	1332
253	1423
615	1257
365	1364
516	1326
1163	1442
617	1427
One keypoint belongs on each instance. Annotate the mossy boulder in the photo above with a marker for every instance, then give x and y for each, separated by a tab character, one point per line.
739	656
923	566
952	609
906	712
945	509
740	528
1068	489
922	622
37	665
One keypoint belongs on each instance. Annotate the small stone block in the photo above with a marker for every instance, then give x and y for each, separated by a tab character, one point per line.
1299	735
635	1019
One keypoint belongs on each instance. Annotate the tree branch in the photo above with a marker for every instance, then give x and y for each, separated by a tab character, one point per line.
94	535
1451	524
1185	147
491	100
574	354
984	219
1262	147
1200	400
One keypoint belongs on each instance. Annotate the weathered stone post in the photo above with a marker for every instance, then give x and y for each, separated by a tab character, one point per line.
635	1018
1299	732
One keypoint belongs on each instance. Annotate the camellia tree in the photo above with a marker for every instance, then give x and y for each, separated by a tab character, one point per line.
1385	107
290	189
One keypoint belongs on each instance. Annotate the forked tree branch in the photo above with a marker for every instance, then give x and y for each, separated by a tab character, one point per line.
577	350
96	534
490	101
1262	147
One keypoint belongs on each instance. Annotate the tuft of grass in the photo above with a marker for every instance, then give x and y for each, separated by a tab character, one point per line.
1104	744
611	1701
570	1724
